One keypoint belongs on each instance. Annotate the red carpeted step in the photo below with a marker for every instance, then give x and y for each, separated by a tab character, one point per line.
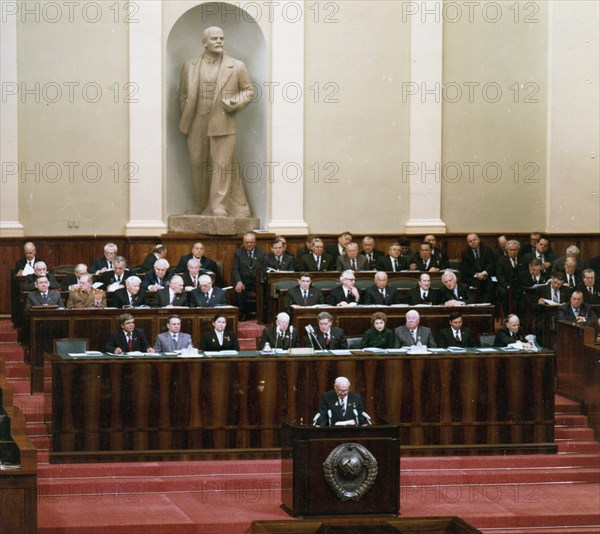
7	332
573	432
562	405
570	419
37	429
11	352
16	370
42	443
32	407
20	386
583	446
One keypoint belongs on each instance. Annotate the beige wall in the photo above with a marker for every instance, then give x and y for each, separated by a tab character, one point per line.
365	57
73	129
502	124
361	59
574	134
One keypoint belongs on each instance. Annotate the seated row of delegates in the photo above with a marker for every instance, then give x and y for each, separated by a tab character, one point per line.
379	336
42	295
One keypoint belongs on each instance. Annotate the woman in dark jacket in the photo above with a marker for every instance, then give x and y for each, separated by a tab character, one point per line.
378	335
219	338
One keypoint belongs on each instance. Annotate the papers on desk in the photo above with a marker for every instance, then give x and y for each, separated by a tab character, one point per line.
480	304
437	350
551	302
487	349
341	352
96	285
84	354
376	350
220	352
398	351
399	306
456	349
350	422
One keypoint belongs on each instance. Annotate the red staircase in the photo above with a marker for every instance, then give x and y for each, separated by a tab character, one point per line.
531	494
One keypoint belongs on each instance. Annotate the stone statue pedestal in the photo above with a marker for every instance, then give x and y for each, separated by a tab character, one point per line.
192	223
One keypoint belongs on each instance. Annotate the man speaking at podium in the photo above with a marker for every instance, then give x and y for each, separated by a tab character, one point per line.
341	406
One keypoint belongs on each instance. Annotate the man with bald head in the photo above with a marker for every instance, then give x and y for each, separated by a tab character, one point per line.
340	406
205	295
411	333
477	266
207	265
171	296
280	335
380	293
214	87
24	266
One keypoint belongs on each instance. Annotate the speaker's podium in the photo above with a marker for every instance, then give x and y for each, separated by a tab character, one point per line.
340	470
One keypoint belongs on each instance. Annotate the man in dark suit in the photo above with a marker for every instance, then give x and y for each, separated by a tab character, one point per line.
39	269
554	292
24	266
477	266
207	296
392	262
316	260
453	293
158	252
594	263
278	259
128	338
456	335
173	339
248	260
411	333
281	335
327	337
438	255
173	295
352	259
534	239
507	273
115	279
423	294
370	252
105	263
577	311
206	264
589	287
425	261
346	293
42	296
512	332
339	249
380	293
157	278
543	253
571	274
304	294
340	406
129	296
533	276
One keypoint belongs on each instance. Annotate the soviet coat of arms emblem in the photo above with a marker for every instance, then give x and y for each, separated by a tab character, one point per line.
350	470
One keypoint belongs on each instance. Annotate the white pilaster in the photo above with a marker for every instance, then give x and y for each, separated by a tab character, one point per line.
145	132
426	124
286	214
9	128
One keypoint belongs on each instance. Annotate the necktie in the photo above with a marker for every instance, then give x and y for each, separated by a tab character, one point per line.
117	279
343	406
457	336
327	340
30	263
174	338
250	255
555	296
382	293
279	262
476	254
424	295
542	258
173	298
395	265
513	262
318	262
130	299
206	297
129	342
414	334
195	281
426	265
353	264
576	312
44	297
590	290
456	294
305	296
571	281
370	258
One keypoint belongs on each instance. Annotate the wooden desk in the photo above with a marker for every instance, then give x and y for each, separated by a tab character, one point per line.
126	409
96	325
578	369
275	284
356	319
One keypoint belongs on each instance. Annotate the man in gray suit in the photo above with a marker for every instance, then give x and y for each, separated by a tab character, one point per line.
213	89
411	333
42	296
352	259
173	339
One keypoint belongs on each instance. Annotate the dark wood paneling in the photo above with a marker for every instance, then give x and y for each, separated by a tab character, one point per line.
71	250
175	407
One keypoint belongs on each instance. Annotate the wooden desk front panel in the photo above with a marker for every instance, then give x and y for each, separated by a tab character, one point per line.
443	403
355	320
96	325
